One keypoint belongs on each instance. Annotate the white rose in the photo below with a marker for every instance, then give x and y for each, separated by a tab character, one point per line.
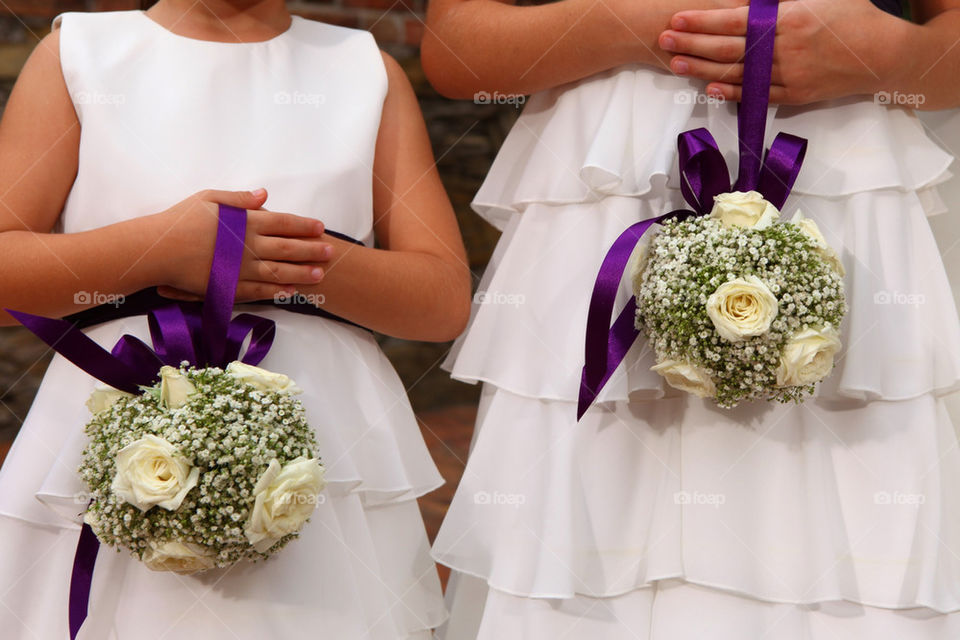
178	557
812	231
686	377
103	398
744	209
261	378
175	388
151	471
742	308
284	499
808	357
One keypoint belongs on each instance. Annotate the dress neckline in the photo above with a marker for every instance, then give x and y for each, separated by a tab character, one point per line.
279	36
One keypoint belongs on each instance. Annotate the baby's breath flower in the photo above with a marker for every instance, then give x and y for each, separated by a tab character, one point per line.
689	260
229	429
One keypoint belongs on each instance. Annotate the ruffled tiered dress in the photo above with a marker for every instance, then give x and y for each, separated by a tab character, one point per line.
660	516
164	116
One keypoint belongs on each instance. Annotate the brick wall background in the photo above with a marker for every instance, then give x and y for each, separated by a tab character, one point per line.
465	137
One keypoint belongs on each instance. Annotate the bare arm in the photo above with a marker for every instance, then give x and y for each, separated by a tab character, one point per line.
486	45
928	55
417	286
39	140
42	272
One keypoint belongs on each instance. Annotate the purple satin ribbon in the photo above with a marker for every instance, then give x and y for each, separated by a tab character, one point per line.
82	578
204	336
703	175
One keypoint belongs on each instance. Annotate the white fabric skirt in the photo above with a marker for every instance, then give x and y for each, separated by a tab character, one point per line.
660	516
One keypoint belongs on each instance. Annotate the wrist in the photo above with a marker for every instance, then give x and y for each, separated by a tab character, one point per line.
893	50
619	38
158	251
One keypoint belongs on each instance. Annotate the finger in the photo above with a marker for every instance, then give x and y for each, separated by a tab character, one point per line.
290	249
271	223
724	22
710	47
239	199
734	92
282	272
178	294
250	291
731	73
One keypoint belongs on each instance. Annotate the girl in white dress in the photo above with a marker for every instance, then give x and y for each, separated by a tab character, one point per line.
116	119
658	515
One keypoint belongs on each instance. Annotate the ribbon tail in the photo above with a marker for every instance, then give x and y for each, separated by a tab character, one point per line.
599	342
74	345
82	577
620	338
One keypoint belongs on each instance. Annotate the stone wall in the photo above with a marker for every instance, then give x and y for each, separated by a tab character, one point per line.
465	137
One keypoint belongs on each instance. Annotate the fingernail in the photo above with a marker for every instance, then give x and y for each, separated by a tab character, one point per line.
318	229
680	66
259	193
679	23
316	273
328	252
669	43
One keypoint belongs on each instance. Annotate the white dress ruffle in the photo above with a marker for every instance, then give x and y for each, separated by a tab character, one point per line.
614	133
660	516
527	335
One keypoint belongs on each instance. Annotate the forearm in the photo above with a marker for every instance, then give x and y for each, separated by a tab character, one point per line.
59	274
409	295
925	65
484	45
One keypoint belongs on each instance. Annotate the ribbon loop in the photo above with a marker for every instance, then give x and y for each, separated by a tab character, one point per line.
703	171
261	331
781	168
171	335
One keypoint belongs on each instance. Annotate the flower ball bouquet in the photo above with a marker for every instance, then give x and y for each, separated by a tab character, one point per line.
737	306
205	468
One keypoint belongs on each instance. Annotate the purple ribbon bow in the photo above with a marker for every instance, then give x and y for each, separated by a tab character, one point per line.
703	175
204	336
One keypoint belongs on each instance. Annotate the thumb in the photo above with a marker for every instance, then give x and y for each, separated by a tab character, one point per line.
241	199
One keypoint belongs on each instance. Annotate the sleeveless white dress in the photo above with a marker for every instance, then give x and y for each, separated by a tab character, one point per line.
164	116
660	516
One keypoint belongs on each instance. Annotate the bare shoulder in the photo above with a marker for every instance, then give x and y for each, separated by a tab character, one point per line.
39	142
46	56
41	79
396	76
